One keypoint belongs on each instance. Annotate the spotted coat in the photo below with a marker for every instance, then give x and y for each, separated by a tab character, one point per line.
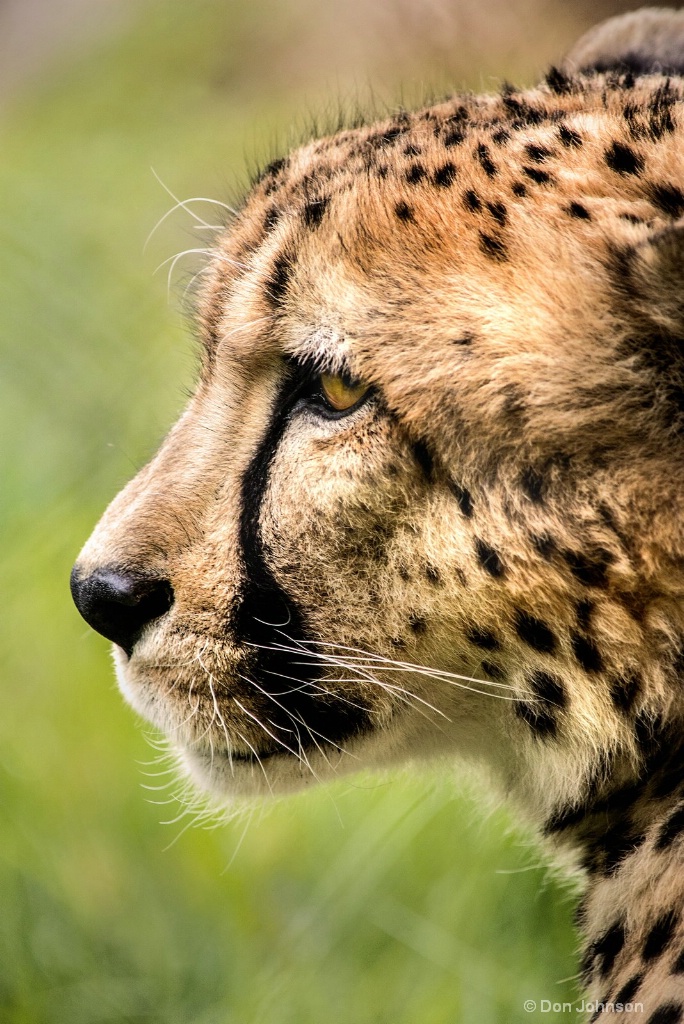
482	554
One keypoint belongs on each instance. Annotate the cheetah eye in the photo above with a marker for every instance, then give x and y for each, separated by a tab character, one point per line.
341	393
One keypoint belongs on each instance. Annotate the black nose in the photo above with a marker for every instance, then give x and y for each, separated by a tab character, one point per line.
119	603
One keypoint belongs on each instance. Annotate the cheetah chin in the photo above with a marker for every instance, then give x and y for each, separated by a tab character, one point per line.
426	498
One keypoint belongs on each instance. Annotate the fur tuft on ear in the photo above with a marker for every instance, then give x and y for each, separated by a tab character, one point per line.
648	41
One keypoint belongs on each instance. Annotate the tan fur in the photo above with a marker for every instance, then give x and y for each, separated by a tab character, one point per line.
506	271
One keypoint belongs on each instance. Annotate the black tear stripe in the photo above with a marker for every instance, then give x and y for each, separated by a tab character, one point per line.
266	616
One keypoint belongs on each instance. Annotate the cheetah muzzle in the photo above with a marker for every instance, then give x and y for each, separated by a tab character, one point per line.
426	498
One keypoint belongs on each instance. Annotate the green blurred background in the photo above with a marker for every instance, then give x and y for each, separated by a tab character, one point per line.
395	900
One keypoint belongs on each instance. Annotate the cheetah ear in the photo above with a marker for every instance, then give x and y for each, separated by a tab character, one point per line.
655	277
649	40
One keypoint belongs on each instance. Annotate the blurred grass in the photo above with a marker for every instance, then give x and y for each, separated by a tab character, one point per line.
381	900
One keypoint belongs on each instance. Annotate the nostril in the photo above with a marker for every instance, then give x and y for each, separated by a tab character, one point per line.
119	603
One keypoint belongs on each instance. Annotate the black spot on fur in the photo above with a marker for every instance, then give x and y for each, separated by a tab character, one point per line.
559	82
584	610
279	279
670	777
459	115
433	575
586	652
565	818
667	198
668	1013
486	162
418	623
608	947
314	210
617	844
519	189
523	113
411	150
533	485
498	212
671	830
591	571
632	218
493	247
454	137
548	689
629	989
569	137
445	175
538	718
415	173
544	544
537	174
492	670
579	211
483	638
660	936
660	121
538	154
624	691
472	200
423	457
678	965
489	559
534	632
501	136
271	218
618	801
624	159
271	170
462	495
403	212
464	339
400	126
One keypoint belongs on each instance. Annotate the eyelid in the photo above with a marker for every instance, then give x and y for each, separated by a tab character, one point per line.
307	383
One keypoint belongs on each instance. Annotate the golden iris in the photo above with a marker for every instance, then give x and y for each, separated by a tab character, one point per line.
341	394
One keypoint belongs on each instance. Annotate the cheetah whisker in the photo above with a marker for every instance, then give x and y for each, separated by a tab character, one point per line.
409	665
388	665
311	686
361	674
268	733
217	712
183	204
301	756
256	756
296	719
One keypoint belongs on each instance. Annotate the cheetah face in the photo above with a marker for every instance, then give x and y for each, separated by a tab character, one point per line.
404	512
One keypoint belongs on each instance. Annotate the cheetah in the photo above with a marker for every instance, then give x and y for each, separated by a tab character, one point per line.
426	498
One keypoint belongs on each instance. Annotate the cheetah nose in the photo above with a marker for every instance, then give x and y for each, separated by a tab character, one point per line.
119	603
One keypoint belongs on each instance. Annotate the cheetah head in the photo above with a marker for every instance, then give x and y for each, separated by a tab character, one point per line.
425	499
